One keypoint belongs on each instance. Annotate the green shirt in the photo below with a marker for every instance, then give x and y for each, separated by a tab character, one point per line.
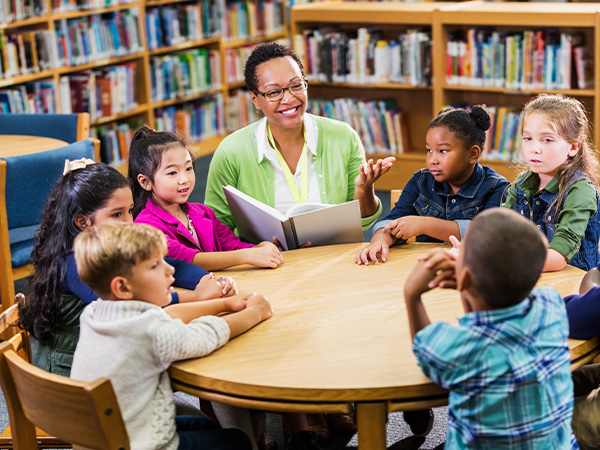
338	157
578	208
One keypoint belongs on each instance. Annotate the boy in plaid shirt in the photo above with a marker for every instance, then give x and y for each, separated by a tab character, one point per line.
507	363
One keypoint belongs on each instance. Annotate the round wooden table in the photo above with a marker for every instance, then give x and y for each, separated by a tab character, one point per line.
339	335
12	144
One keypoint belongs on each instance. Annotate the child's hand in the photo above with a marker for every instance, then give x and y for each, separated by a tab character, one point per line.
208	287
236	302
265	254
229	286
376	249
261	303
370	172
404	227
456	244
434	269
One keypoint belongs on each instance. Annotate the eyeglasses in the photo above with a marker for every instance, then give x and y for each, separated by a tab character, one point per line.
277	94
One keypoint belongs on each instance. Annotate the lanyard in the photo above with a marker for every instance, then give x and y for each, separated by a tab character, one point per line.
301	197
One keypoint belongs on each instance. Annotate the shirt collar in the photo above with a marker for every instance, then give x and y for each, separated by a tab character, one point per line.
492	316
531	181
469	189
266	151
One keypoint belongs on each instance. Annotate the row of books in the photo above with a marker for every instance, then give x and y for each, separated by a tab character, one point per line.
62	6
503	140
30	98
202	119
252	18
532	59
365	56
115	140
101	93
169	25
381	125
13	10
185	74
90	38
240	110
235	60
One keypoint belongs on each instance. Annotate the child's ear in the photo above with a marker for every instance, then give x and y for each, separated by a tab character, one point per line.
574	149
121	289
144	182
474	154
464	280
82	222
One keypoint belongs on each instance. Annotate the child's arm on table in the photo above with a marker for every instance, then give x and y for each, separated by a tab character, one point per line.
554	261
434	269
265	254
258	308
209	287
192	310
409	226
379	247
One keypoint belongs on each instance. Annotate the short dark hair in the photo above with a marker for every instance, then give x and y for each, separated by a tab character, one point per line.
468	126
505	254
263	53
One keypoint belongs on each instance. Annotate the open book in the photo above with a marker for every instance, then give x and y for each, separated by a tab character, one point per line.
319	224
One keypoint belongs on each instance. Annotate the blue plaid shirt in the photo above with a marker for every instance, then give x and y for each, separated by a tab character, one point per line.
508	373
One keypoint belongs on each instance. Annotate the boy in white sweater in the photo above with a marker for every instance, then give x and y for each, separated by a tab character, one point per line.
127	337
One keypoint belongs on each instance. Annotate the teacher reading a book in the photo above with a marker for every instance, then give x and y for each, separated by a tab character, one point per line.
290	156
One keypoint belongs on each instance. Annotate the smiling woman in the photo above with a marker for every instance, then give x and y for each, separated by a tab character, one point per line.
290	156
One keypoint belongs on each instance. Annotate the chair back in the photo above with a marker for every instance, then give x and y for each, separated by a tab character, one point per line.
66	127
394	197
83	413
8	321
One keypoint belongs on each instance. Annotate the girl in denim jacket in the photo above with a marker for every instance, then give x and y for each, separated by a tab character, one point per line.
441	200
558	192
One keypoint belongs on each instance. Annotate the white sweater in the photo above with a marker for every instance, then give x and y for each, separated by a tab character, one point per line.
133	344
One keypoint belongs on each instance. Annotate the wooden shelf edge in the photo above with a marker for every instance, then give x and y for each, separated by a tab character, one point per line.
187	98
207	146
254	39
510	91
184	46
90	12
120	116
26	22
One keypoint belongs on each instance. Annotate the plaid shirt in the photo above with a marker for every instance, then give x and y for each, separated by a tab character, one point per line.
508	372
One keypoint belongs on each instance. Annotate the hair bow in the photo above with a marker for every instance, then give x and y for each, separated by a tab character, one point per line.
70	166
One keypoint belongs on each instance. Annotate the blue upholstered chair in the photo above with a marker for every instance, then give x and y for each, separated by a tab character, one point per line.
25	183
66	127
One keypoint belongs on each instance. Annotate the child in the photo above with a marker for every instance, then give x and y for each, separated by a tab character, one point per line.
87	195
441	200
507	363
162	177
558	190
127	337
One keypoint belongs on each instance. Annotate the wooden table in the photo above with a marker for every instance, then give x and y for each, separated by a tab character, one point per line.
12	144
339	335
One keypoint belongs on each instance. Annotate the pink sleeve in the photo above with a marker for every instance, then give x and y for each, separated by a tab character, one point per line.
227	239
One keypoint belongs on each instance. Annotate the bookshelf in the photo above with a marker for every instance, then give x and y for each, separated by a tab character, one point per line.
159	62
444	22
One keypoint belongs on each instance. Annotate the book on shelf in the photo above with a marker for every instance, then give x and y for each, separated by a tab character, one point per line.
584	67
319	224
531	59
240	110
115	139
252	19
365	56
381	125
13	10
35	97
169	25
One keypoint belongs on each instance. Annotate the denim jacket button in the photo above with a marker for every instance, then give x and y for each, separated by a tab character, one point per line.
539	226
526	202
537	202
453	200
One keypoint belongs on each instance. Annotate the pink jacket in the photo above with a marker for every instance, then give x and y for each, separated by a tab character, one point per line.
212	234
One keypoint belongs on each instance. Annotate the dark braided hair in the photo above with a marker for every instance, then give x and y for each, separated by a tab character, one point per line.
145	155
263	53
82	191
469	127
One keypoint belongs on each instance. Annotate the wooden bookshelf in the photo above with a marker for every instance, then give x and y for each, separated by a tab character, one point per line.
422	104
145	109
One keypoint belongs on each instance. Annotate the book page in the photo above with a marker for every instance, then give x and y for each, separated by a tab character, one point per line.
301	208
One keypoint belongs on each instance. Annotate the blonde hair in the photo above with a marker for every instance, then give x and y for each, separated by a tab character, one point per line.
111	250
569	118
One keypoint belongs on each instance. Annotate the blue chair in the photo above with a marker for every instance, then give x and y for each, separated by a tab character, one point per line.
66	127
25	183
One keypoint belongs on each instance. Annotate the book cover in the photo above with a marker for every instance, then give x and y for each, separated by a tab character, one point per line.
319	224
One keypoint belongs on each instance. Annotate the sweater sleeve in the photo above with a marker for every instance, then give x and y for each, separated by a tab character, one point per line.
175	340
72	284
583	311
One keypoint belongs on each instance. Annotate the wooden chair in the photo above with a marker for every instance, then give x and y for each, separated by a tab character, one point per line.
22	204
21	345
394	196
84	413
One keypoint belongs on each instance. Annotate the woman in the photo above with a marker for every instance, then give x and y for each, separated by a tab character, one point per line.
290	156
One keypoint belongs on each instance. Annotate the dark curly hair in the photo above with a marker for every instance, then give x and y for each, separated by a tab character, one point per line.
145	155
263	53
469	127
81	191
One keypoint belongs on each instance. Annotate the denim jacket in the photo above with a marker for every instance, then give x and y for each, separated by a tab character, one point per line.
537	210
423	196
